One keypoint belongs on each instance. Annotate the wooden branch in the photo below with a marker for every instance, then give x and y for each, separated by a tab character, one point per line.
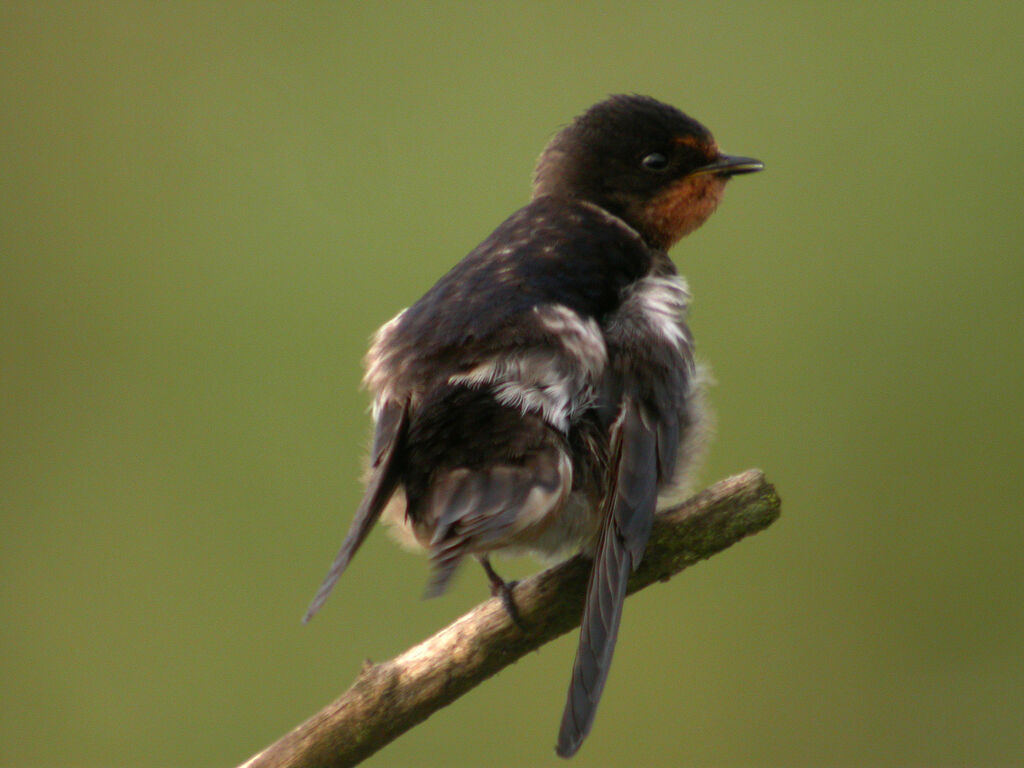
389	698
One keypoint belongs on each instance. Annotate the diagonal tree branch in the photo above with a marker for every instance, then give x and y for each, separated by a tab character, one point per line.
391	697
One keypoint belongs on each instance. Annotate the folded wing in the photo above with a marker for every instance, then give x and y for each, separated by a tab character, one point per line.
392	424
626	525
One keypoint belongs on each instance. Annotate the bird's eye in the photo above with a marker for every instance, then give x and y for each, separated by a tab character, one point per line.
655	162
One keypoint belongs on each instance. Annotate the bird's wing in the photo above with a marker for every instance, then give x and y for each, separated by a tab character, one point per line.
392	424
650	347
627	517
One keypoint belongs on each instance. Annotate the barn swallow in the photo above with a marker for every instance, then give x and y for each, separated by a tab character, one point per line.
543	394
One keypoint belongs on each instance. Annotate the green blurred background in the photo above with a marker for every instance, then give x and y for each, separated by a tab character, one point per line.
206	209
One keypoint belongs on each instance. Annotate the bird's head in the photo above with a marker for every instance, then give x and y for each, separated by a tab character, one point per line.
646	162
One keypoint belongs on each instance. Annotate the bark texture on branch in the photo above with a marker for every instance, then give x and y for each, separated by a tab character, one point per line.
391	697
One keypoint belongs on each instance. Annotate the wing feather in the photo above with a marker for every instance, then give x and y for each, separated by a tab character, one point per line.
392	423
628	515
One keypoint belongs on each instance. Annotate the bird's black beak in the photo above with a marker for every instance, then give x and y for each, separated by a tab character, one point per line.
731	165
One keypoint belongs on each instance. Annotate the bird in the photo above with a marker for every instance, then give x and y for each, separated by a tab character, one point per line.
544	393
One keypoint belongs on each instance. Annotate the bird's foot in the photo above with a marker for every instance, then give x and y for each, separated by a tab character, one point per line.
503	589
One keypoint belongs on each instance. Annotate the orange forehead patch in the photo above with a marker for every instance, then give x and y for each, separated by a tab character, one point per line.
708	149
